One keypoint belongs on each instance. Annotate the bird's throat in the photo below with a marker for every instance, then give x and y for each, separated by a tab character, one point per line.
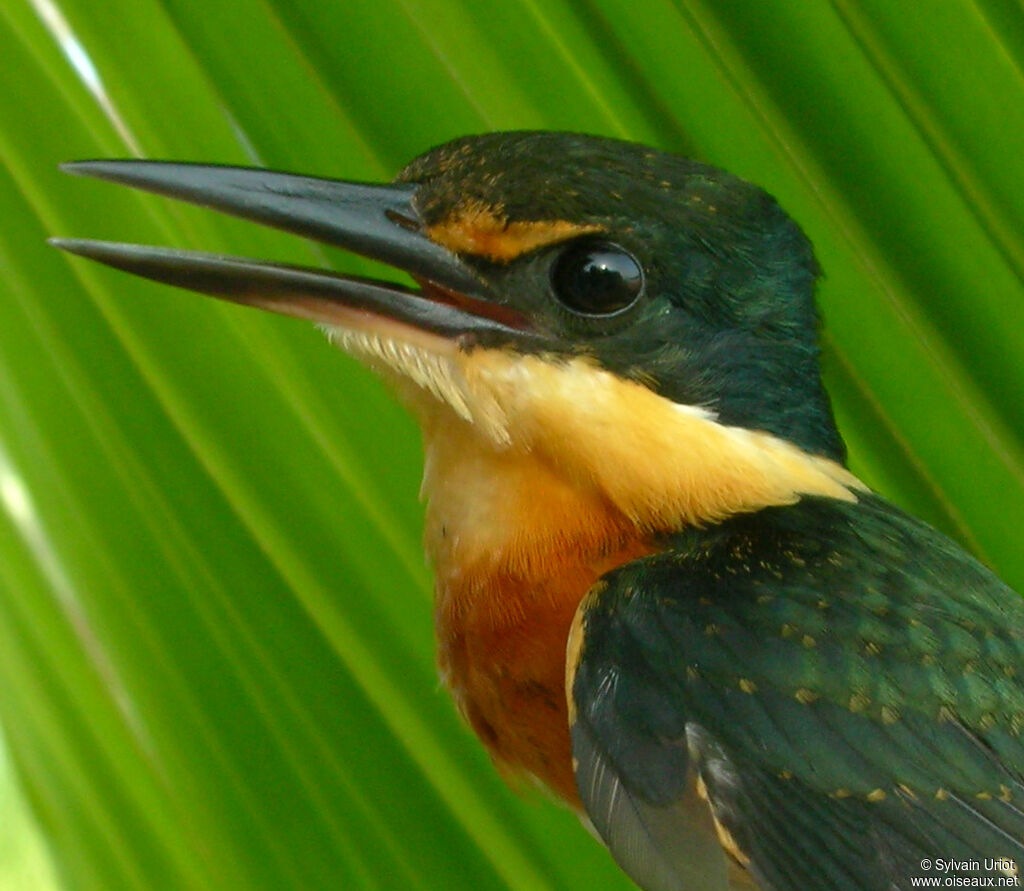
540	476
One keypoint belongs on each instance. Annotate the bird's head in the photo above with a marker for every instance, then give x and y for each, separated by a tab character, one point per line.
588	300
662	270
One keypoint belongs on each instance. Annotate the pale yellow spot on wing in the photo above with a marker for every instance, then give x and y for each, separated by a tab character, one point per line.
858	702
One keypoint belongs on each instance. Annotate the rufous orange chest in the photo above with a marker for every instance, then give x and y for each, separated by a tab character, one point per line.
541	475
515	548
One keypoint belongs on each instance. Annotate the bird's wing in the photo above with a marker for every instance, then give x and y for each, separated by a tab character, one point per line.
838	681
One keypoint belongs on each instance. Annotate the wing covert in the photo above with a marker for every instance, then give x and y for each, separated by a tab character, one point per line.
633	767
840	678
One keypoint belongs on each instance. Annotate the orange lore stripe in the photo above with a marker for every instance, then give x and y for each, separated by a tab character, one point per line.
481	231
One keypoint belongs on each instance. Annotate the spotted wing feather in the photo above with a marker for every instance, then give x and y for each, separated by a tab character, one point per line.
842	680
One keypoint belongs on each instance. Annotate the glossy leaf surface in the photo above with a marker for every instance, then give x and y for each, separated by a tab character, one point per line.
215	643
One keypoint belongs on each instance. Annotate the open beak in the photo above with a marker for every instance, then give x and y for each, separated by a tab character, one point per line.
377	221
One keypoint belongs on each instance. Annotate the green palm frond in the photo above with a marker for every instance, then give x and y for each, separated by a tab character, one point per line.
215	621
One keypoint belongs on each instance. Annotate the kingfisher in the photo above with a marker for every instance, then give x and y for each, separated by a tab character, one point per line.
659	589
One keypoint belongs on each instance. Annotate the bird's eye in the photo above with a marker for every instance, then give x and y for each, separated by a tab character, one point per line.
596	278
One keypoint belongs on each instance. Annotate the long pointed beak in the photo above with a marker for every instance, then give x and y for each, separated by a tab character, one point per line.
377	221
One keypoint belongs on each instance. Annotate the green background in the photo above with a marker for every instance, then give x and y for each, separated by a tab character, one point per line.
216	666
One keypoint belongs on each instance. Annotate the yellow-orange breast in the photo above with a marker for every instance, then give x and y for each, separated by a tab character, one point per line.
540	476
515	549
506	666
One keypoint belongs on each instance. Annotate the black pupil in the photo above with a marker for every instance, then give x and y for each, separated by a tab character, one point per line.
596	279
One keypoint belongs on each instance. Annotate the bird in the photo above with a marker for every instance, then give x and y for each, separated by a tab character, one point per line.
659	590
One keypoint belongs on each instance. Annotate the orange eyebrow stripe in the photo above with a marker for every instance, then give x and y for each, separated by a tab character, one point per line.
481	232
